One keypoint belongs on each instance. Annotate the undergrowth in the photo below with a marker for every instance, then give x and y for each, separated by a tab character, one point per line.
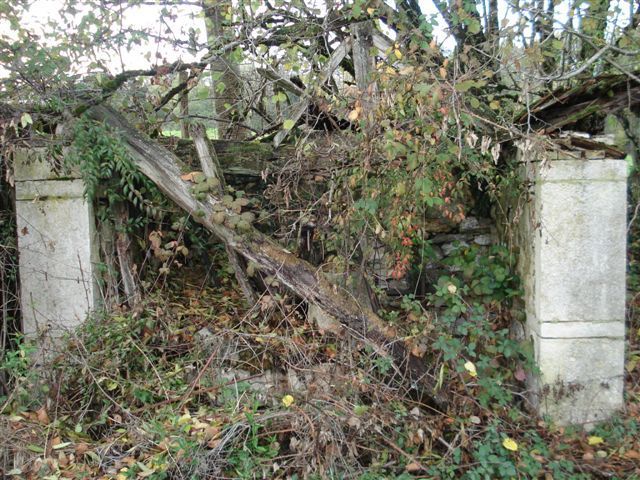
190	385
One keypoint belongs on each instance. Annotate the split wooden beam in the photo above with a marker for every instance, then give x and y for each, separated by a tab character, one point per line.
211	169
163	168
281	82
302	105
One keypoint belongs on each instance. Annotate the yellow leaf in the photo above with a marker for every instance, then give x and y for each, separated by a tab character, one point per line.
390	71
471	368
186	418
353	115
371	11
510	444
593	440
398	54
287	400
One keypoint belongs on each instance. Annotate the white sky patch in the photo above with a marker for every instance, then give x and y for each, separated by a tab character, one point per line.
153	51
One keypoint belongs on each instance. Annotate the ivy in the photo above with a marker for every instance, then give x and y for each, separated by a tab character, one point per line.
108	172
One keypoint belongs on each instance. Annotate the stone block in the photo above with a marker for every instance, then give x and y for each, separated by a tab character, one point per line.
36	164
576	360
572	245
580	249
584	404
576	170
581	380
56	243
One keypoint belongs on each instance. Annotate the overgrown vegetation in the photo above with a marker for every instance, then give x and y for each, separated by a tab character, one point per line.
379	156
191	385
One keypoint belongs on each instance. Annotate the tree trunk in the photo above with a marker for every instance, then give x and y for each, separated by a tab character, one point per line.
225	77
184	108
163	168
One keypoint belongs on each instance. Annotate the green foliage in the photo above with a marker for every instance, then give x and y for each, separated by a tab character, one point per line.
490	459
481	277
468	328
256	451
20	376
108	171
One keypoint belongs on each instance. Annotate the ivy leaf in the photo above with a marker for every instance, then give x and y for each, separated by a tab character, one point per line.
468	84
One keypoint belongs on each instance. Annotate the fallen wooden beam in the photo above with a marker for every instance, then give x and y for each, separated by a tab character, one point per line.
211	168
163	168
302	105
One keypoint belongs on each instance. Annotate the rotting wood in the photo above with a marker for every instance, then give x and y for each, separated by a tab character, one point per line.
211	168
567	107
363	61
123	243
301	107
281	82
236	157
163	168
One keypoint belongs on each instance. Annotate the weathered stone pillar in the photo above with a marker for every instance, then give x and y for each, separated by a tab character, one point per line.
56	246
573	260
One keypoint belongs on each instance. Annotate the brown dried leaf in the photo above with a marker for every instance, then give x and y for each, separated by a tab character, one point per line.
190	177
43	417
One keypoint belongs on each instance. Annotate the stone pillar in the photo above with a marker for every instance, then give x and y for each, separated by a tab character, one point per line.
572	261
56	246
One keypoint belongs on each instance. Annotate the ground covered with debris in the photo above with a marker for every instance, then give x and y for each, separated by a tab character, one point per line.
191	384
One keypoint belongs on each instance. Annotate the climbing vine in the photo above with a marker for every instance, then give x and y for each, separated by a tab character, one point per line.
108	172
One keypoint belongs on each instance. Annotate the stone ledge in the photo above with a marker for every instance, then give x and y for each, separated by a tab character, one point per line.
580	329
34	165
583	170
49	189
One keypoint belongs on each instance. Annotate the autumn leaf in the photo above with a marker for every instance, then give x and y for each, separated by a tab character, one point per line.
595	440
510	444
471	368
520	374
43	417
191	176
25	120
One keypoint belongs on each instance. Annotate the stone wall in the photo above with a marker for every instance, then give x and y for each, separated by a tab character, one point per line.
444	239
572	240
56	244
